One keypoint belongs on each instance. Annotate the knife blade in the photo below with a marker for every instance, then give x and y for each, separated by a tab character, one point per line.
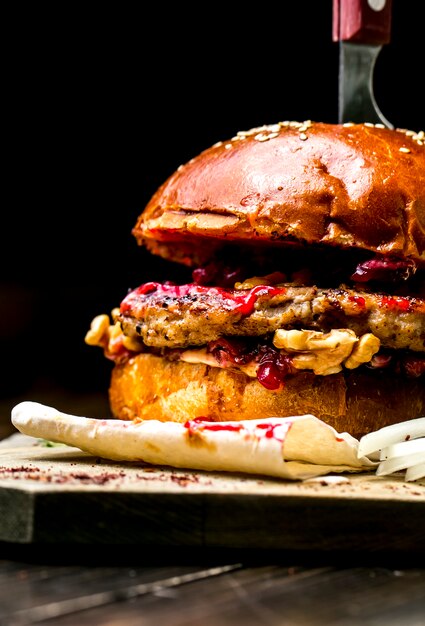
361	27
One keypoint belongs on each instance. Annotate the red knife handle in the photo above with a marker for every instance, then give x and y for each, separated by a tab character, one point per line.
362	21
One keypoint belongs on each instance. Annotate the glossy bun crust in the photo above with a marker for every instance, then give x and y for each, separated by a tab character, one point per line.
340	185
151	387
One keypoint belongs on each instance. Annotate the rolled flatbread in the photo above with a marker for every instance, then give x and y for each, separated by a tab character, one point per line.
293	448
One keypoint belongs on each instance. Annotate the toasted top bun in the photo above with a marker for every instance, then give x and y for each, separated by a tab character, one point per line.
351	185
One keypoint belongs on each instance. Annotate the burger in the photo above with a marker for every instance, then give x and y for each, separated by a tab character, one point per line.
304	250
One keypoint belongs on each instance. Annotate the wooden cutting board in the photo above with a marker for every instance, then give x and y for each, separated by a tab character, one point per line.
62	495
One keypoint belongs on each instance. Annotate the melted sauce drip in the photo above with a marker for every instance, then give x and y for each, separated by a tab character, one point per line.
396	303
242	301
273	368
359	300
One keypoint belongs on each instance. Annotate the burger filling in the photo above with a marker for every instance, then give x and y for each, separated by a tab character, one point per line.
270	327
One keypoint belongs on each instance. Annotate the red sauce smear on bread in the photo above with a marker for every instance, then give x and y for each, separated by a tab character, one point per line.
214	426
270	430
203	423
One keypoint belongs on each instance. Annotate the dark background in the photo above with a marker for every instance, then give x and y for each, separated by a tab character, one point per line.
102	105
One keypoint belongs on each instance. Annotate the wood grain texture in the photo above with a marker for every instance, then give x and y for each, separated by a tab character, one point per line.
257	594
62	495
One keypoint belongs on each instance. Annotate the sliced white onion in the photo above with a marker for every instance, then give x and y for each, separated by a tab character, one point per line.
396	433
399	447
416	472
400	463
396	450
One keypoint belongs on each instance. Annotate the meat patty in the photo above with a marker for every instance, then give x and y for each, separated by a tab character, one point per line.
192	315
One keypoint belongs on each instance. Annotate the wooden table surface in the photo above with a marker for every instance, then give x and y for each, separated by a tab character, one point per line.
78	584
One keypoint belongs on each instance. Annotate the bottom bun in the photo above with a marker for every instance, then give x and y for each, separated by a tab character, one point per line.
151	387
